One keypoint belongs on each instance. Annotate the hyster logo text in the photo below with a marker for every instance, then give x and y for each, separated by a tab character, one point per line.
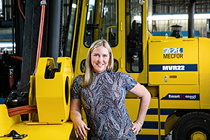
171	53
182	67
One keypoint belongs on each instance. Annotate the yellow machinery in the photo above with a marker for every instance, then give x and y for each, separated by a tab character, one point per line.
50	90
174	70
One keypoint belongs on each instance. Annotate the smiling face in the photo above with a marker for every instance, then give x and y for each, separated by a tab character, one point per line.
100	59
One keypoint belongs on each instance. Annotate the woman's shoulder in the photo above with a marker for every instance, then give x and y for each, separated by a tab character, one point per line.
78	79
119	75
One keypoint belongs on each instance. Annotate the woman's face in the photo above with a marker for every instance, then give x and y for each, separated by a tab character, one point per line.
100	59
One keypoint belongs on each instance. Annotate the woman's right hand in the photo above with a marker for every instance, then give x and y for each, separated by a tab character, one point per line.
75	114
80	129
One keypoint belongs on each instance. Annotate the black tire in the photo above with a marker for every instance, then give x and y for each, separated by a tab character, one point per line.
191	124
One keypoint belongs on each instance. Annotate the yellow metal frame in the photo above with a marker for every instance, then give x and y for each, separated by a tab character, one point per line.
75	25
204	74
51	94
6	122
108	31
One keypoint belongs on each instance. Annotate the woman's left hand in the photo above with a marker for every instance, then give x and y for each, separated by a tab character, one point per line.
136	127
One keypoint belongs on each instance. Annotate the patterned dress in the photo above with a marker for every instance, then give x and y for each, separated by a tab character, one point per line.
104	105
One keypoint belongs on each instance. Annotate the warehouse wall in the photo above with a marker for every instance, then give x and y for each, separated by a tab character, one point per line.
165	25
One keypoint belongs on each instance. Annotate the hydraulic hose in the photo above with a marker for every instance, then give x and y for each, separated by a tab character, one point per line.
22	110
20	9
40	34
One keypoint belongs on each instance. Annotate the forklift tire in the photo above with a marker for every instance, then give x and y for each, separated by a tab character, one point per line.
193	125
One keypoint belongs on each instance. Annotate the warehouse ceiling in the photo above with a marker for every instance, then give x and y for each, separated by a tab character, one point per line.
179	6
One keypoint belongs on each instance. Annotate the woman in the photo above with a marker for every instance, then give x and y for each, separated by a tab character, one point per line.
102	93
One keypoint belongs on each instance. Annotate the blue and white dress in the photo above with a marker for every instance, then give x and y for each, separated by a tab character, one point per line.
104	105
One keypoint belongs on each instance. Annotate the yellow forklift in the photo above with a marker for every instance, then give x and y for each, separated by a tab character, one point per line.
174	70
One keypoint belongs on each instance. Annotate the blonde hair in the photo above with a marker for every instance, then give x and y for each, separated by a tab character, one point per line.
89	77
